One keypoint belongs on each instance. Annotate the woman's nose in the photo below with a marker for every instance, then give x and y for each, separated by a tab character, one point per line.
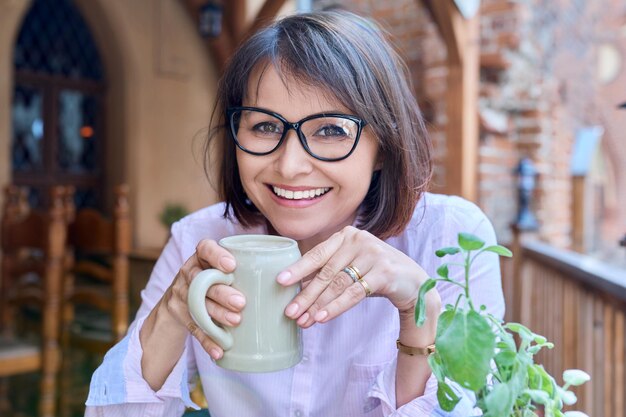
292	159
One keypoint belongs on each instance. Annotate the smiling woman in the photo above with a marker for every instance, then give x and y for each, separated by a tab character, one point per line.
295	166
318	139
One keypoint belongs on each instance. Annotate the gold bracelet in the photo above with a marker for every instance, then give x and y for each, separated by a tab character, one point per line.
412	351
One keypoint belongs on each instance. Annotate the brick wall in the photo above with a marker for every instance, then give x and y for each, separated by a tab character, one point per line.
538	85
417	40
538	71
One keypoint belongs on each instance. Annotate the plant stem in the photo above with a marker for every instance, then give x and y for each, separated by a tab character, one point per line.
452	282
468	264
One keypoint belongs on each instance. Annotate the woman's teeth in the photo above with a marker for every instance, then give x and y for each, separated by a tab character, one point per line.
299	195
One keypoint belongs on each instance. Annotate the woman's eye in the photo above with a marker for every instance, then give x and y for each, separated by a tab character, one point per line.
266	127
331	130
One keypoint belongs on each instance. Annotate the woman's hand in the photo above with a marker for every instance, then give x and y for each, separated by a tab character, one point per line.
223	303
331	291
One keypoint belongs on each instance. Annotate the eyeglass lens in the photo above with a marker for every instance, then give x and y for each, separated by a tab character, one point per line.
326	137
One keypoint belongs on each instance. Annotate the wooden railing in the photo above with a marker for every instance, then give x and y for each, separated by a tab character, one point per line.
578	303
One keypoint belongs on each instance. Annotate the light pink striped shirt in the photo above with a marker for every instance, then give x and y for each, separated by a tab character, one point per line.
349	363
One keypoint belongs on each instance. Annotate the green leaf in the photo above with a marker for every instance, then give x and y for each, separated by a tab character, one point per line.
499	401
505	360
502	345
420	306
569	398
444	322
520	329
434	361
466	344
575	377
470	242
447	251
540	379
507	342
446	396
442	271
538	396
500	250
519	378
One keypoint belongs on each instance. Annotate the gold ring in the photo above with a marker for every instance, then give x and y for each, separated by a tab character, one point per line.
366	287
191	326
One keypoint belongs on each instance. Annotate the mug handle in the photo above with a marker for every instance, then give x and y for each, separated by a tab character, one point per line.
197	307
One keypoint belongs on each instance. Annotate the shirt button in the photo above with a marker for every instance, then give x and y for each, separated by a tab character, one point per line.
298	413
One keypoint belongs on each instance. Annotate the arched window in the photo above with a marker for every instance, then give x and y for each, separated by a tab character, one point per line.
57	109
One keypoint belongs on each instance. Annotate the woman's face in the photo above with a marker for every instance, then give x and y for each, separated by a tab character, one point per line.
291	171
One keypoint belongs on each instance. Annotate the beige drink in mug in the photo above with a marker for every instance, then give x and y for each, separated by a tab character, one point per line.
265	340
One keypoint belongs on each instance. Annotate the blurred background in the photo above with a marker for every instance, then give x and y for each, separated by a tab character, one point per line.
525	102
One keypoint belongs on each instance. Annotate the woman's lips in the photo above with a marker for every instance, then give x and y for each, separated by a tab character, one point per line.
298	196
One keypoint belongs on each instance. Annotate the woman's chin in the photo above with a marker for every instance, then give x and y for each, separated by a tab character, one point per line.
295	233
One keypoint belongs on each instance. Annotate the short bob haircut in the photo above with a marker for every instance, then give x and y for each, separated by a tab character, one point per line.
348	57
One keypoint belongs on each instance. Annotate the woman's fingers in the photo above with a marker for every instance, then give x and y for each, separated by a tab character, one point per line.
313	262
331	284
221	315
338	286
345	301
326	276
211	255
208	344
227	296
223	303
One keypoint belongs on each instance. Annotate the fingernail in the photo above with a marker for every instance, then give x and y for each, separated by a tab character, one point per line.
321	315
292	309
237	301
283	277
303	319
215	354
233	318
227	263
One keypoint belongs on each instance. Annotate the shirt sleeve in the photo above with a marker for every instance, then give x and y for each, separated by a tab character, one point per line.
117	387
485	289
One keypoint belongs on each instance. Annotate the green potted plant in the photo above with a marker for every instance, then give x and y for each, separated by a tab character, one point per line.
480	353
172	212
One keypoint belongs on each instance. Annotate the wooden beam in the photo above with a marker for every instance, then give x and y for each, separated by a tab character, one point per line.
461	37
235	18
234	26
443	13
265	16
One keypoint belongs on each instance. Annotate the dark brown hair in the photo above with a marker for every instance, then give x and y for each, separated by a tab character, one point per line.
349	58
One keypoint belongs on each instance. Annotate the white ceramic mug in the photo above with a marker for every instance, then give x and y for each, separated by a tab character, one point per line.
265	340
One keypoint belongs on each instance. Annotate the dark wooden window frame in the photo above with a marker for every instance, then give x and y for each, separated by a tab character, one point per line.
51	174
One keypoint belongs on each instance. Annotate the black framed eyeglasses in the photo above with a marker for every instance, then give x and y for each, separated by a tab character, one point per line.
325	136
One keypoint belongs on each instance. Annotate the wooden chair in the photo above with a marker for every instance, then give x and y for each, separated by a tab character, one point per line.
98	273
33	251
96	290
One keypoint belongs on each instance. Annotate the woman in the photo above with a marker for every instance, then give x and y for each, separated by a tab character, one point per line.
318	139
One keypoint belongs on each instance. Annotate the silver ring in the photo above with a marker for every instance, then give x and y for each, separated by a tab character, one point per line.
350	270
